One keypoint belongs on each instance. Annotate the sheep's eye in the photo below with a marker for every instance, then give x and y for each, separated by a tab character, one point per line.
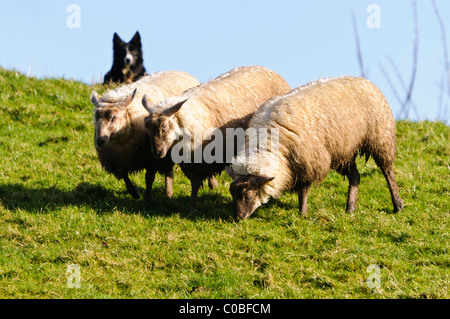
113	118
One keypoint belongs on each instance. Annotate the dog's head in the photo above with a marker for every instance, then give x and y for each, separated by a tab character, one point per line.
127	53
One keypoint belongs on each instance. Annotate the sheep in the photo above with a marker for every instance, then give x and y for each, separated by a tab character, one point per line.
321	126
121	141
225	102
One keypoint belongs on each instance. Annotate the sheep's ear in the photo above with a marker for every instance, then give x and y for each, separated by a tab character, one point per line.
259	181
147	103
174	109
96	101
231	173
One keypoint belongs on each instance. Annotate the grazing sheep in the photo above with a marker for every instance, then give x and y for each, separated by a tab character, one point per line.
121	141
225	102
321	126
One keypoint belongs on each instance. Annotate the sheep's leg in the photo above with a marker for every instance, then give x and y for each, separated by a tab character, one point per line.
303	198
212	182
393	188
195	186
353	176
149	179
131	188
169	184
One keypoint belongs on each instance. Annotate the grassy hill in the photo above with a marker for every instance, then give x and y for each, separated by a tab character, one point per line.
59	208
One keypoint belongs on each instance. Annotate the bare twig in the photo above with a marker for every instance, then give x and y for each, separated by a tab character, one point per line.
358	46
397	72
402	82
407	102
415	59
388	79
444	43
441	97
446	115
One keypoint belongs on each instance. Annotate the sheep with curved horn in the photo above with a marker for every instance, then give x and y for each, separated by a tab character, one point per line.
121	141
226	102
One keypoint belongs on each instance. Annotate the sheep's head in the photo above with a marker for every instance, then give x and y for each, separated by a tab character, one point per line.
110	119
161	127
245	190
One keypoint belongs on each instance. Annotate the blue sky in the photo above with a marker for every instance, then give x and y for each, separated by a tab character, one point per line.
301	40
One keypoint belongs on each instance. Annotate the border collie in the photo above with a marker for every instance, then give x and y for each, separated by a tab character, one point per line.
128	64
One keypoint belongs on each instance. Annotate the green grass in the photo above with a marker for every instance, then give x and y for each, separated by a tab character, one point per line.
58	207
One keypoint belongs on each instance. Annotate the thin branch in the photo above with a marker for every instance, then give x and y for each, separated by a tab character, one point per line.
441	97
397	72
358	46
402	82
446	115
444	43
388	79
415	59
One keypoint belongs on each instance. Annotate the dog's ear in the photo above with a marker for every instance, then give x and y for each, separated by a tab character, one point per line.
116	39
136	39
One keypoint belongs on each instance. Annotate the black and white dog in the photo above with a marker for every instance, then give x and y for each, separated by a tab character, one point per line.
128	64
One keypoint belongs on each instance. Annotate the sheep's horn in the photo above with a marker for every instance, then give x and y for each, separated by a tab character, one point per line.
96	101
261	180
147	103
174	109
127	101
230	172
122	104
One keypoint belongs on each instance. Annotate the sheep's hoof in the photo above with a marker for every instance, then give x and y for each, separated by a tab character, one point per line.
350	209
398	205
169	195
